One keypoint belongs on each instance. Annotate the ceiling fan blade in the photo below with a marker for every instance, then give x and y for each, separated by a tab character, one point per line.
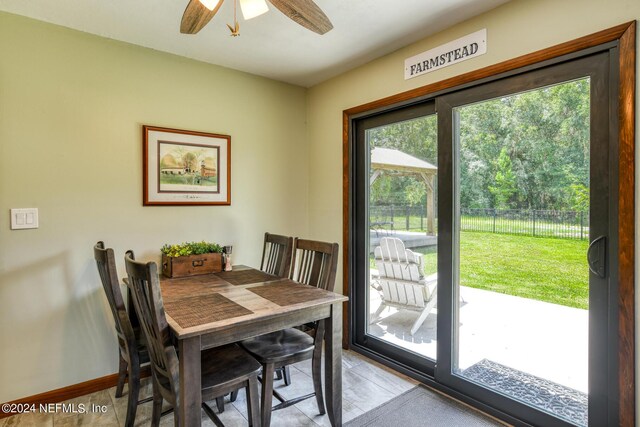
196	16
305	13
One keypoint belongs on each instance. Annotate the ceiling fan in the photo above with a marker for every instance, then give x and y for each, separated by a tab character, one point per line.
305	12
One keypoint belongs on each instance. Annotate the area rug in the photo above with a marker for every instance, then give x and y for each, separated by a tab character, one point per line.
556	399
421	406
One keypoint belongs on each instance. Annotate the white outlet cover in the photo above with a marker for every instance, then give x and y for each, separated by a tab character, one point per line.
24	218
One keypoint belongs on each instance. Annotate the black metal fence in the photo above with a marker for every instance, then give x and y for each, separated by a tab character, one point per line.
541	223
398	217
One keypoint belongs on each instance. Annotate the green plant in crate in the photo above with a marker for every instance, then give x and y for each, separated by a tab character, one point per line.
190	248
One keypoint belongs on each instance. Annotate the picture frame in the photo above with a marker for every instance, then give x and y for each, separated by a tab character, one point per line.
182	167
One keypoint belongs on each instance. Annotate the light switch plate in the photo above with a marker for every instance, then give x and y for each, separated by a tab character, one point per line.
24	218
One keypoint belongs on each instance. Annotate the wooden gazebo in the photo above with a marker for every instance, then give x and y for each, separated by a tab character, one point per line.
396	162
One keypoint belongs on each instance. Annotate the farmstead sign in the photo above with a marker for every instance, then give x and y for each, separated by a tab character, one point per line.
447	54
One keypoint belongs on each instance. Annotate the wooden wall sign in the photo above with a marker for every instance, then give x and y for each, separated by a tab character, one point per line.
459	50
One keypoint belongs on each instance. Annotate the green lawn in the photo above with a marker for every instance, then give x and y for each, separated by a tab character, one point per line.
544	269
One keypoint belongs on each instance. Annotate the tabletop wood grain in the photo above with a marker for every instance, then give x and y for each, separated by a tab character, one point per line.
286	293
208	303
201	309
246	277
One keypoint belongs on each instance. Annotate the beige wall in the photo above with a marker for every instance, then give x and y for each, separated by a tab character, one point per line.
514	29
71	110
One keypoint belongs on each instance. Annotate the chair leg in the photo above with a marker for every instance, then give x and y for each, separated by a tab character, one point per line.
212	415
157	408
267	394
220	404
122	375
279	373
376	315
234	396
316	373
287	375
134	392
423	316
253	404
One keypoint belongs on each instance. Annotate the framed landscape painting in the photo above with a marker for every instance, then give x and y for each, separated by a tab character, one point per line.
186	168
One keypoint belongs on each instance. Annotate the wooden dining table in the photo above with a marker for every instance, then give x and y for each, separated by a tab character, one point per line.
215	309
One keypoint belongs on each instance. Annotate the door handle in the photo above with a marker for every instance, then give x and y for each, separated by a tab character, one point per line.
596	256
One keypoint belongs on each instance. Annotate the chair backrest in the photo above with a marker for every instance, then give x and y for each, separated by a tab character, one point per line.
394	261
315	263
106	263
401	274
145	290
276	254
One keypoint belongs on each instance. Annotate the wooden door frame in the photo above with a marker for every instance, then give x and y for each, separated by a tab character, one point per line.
621	37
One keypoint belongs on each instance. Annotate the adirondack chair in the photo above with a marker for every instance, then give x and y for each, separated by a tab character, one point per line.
401	281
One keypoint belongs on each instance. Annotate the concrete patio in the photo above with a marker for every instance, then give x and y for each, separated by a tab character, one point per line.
542	339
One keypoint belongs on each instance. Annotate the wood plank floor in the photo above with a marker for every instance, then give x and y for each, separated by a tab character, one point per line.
366	385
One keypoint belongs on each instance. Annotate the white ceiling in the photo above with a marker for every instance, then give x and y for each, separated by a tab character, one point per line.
270	45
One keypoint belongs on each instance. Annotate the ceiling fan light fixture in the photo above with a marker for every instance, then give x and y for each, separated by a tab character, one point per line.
210	4
252	8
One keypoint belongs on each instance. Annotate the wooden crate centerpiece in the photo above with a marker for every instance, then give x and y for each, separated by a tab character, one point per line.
191	259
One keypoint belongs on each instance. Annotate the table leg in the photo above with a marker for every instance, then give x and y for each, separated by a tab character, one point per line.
333	365
190	382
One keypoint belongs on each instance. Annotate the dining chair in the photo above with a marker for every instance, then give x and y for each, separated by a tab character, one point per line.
224	369
276	254
276	260
132	350
313	263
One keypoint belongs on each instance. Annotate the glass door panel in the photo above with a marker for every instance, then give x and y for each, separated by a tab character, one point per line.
523	234
524	184
402	238
395	236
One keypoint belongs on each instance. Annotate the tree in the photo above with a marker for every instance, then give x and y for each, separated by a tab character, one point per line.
546	134
505	181
579	198
190	161
528	150
415	193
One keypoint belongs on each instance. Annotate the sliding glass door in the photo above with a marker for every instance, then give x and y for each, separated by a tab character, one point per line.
482	241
